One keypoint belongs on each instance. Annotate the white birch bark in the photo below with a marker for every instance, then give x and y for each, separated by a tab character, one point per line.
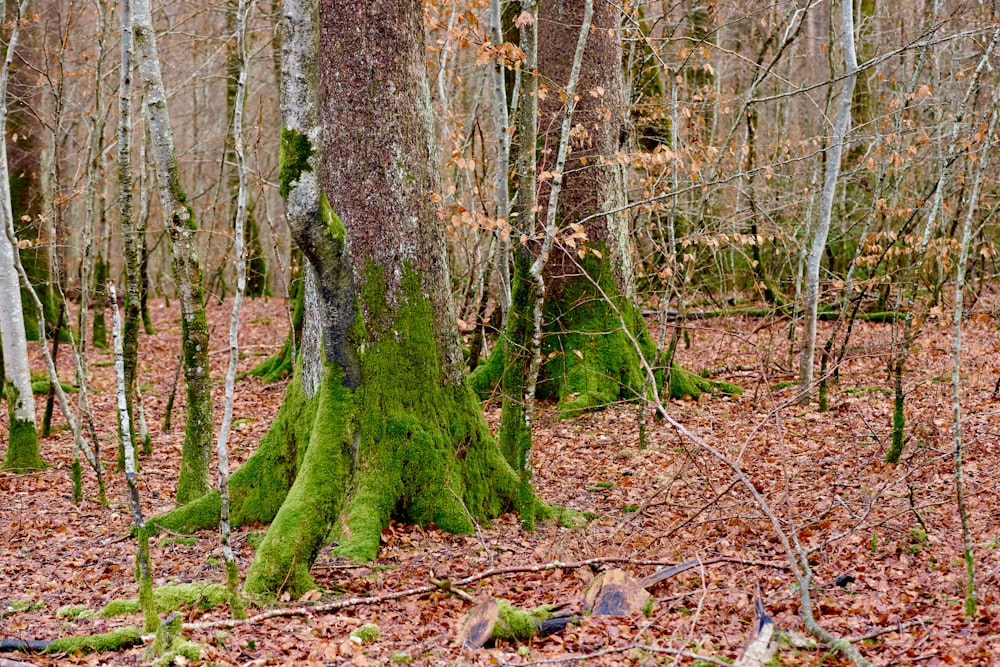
501	119
15	345
144	572
222	449
826	203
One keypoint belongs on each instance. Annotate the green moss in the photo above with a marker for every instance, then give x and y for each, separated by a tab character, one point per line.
172	597
166	636
280	366
591	360
100	330
519	624
570	518
401	657
23	454
485	379
898	426
424	452
74	612
169	644
309	509
293	159
685	383
77	475
115	640
26	604
193	481
42	387
189	650
367	633
426	455
258	488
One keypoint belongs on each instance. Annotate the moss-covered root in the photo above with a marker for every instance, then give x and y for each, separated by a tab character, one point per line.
486	378
685	383
116	640
173	597
258	488
275	368
169	644
302	523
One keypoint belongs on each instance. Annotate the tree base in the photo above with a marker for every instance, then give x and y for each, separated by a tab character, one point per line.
22	448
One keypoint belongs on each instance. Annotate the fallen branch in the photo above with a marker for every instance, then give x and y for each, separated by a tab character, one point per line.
581	658
344	603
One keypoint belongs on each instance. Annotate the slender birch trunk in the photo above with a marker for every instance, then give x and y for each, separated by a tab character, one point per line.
551	222
232	571
971	596
131	244
501	119
94	176
144	571
180	222
22	444
515	430
826	203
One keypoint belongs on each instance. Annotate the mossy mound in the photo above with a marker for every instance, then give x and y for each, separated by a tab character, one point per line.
173	597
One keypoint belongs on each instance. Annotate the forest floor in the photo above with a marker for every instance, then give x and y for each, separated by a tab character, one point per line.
893	529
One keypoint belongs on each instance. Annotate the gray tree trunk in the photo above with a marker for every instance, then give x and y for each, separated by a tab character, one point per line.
180	223
22	445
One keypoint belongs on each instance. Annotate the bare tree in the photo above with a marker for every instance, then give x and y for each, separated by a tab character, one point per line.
180	223
22	445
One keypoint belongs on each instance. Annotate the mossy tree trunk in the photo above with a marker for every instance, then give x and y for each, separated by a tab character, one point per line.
591	360
389	428
22	444
180	223
27	152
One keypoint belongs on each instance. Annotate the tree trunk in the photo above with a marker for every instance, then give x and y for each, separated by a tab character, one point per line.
131	230
590	360
180	223
22	444
390	429
832	174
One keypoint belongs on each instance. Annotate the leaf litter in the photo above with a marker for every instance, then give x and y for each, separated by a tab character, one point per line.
885	540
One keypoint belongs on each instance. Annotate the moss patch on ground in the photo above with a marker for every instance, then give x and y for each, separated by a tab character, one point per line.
116	640
172	597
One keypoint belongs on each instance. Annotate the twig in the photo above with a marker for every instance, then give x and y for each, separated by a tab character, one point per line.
447	587
583	657
884	631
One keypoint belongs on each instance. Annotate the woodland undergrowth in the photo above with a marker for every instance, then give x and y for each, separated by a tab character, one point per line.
887	558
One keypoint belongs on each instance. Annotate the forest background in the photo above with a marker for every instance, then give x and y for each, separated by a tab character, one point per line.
784	164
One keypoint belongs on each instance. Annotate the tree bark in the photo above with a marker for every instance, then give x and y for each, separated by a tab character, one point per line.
818	244
390	429
180	222
589	289
22	444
